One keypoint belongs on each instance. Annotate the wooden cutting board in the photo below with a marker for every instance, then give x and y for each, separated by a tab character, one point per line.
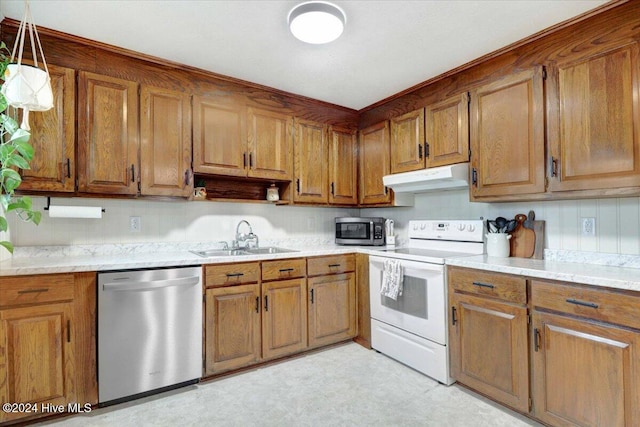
527	243
523	240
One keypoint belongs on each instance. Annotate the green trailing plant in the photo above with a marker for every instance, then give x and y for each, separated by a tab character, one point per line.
15	153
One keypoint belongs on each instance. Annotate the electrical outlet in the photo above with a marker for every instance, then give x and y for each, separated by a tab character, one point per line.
588	226
135	224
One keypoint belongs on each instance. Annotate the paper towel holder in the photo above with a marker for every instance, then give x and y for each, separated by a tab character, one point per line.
46	208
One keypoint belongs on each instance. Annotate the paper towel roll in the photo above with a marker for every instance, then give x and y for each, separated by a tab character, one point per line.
75	212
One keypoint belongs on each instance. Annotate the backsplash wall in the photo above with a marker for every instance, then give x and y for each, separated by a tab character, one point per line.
617	220
174	221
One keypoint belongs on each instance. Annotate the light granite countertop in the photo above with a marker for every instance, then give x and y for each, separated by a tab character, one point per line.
590	274
576	267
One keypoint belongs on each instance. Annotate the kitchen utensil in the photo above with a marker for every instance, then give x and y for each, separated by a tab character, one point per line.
524	239
529	221
501	222
511	226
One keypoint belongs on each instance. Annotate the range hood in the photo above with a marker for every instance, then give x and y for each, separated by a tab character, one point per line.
431	179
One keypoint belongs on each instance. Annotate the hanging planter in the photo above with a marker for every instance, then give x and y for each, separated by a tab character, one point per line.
27	86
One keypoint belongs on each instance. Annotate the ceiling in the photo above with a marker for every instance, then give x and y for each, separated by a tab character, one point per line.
387	46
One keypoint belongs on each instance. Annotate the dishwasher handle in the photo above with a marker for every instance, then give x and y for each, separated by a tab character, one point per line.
151	285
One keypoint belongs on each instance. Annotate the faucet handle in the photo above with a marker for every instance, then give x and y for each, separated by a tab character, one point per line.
225	245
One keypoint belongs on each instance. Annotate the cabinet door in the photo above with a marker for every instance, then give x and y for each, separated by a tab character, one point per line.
107	135
488	344
507	136
332	309
311	155
232	327
165	146
284	321
407	138
374	164
219	137
36	356
343	167
270	148
594	121
53	167
585	373
447	131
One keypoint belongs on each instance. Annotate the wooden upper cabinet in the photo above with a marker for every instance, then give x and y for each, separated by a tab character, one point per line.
407	138
107	134
343	167
374	160
53	167
219	137
311	157
594	121
447	131
269	145
165	143
507	136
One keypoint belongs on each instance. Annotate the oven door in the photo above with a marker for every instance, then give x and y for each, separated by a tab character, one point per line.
421	307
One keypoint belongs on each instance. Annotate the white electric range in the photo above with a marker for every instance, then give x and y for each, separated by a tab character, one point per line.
413	328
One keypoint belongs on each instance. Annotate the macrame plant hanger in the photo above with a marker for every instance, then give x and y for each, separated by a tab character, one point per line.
25	86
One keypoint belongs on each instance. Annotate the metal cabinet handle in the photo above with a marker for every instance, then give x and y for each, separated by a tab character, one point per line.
68	168
68	330
266	303
311	295
298	185
582	303
235	274
453	316
334	265
420	151
133	173
483	285
257	304
553	166
426	149
286	270
474	176
33	291
333	192
536	339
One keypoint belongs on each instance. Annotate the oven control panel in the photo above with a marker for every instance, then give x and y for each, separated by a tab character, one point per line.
457	230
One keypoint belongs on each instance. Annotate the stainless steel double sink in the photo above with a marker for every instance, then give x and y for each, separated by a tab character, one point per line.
238	252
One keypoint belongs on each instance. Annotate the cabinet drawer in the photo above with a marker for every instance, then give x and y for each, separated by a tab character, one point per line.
320	266
231	274
495	285
283	269
25	290
613	307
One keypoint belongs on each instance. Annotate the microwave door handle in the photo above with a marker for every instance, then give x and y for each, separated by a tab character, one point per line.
372	232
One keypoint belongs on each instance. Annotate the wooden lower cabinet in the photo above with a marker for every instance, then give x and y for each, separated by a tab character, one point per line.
489	349
488	335
332	309
586	355
47	341
284	319
586	374
232	333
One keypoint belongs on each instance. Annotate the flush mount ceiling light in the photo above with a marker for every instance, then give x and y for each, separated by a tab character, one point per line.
317	22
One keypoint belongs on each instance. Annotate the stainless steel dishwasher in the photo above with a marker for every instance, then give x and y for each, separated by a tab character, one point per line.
149	330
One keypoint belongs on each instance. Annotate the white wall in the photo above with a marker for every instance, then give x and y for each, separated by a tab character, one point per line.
174	221
617	220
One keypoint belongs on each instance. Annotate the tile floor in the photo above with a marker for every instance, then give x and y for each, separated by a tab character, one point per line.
341	386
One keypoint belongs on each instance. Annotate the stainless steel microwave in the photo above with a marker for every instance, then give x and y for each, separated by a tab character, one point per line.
360	231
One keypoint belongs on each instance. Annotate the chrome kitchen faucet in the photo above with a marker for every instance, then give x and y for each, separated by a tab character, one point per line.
245	239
